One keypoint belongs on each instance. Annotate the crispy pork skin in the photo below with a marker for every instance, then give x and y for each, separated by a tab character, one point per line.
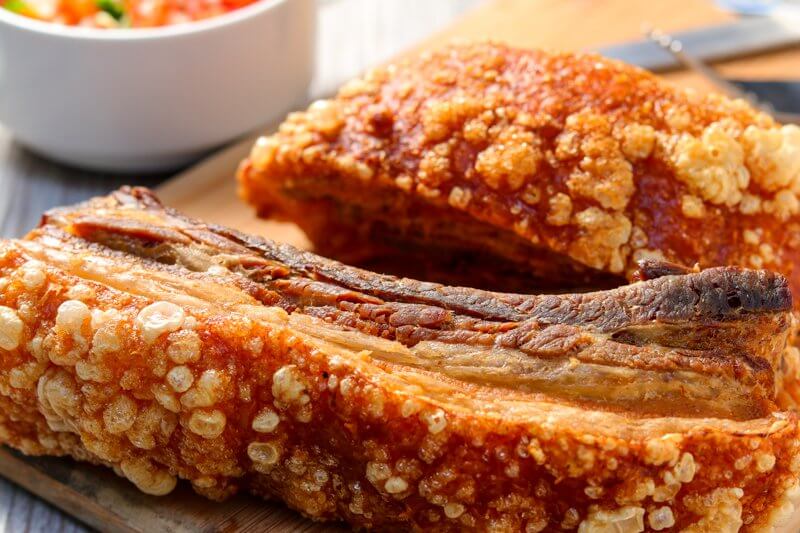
168	348
552	169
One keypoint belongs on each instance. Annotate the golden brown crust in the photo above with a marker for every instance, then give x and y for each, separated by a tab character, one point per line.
574	154
681	343
166	372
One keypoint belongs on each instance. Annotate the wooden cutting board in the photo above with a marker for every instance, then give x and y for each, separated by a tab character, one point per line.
99	498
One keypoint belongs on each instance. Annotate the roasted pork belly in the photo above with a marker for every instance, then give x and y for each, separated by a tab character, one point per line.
557	170
168	348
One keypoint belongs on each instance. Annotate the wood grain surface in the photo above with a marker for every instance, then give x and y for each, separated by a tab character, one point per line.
353	35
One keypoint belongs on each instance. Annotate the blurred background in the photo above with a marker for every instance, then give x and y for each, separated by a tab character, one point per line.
51	101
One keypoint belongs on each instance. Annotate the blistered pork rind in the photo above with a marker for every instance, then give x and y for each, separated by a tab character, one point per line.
168	349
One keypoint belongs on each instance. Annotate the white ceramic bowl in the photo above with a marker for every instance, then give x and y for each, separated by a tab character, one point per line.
151	99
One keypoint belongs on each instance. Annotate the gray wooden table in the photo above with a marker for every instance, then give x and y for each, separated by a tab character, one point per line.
353	34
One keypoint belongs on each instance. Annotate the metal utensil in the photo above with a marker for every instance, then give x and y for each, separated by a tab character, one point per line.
675	48
745	36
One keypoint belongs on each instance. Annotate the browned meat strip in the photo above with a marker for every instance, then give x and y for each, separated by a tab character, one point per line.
706	343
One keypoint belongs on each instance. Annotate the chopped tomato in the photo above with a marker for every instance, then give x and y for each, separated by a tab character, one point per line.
122	13
75	11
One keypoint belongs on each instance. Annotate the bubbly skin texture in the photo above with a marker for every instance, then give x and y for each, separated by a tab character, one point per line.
167	348
569	167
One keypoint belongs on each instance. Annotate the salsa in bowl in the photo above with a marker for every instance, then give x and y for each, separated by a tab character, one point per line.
122	13
152	98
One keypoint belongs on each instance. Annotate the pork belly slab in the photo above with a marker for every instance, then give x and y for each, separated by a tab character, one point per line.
168	348
530	170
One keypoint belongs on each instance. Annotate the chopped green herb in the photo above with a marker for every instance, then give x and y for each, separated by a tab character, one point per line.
17	6
112	7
